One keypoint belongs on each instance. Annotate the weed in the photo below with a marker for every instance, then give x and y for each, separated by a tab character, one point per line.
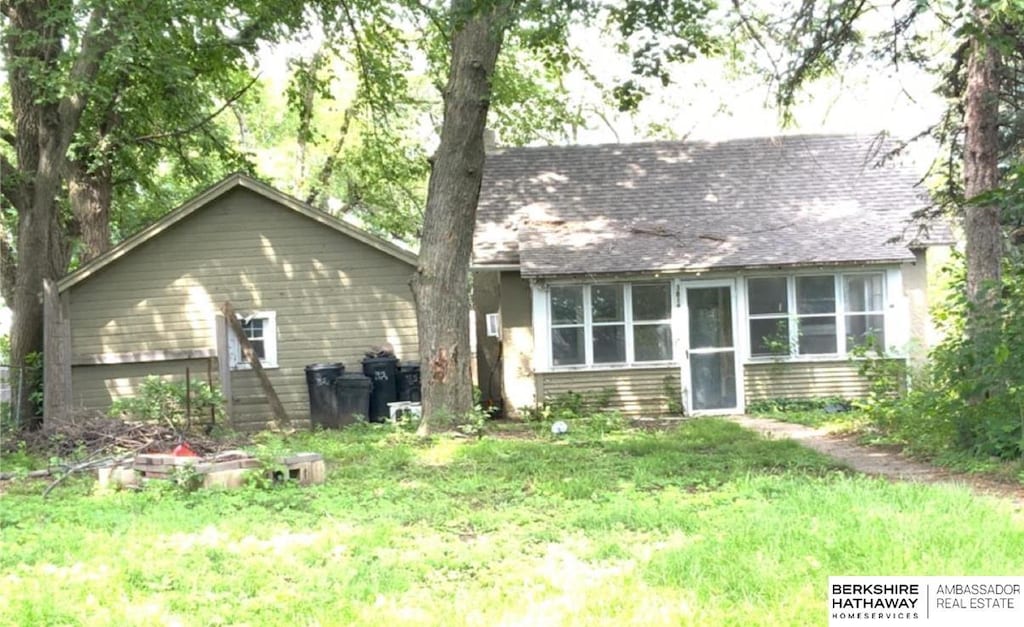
703	524
160	400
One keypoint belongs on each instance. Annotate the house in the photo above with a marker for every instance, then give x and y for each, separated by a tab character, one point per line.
697	275
308	288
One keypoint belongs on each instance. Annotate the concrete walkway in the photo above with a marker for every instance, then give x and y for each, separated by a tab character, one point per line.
877	461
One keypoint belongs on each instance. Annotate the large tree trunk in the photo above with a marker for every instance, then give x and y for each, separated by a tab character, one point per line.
91	194
33	41
981	171
441	285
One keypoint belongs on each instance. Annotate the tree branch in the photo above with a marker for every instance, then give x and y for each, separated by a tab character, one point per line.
8	268
327	170
201	123
10	184
95	44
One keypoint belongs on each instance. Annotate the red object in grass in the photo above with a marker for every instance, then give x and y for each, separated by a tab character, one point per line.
184	450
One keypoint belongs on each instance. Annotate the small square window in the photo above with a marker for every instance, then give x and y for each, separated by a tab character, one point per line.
260	329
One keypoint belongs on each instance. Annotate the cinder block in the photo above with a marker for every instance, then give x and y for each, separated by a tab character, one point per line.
306	468
118	477
234	478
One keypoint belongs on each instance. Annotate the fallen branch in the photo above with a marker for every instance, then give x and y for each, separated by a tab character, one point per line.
92	465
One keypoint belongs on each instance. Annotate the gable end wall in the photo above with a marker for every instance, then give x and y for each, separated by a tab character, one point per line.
335	297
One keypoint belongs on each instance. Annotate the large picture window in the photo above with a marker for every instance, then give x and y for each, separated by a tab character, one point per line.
807	315
613	323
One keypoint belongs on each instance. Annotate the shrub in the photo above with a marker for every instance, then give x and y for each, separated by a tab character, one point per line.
970	397
162	400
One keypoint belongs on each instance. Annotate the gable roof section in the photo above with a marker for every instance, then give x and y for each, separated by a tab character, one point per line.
204	198
676	206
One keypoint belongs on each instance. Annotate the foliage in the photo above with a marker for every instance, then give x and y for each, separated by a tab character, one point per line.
827	404
162	400
673	394
971	395
831	411
587	413
569	406
703	524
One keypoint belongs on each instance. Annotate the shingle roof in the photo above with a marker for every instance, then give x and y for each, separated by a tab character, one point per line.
664	206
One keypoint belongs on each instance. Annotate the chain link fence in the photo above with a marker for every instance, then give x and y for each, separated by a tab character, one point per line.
17	384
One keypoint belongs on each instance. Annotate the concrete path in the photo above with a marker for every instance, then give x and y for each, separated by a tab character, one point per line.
877	461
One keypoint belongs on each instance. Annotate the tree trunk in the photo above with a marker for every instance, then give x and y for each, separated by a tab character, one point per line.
33	41
981	173
441	285
91	194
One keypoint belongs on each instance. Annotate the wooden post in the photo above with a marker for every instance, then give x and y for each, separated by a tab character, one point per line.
56	354
188	398
250	355
209	381
224	368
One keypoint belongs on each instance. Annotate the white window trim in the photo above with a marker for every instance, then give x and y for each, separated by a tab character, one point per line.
238	362
543	318
893	310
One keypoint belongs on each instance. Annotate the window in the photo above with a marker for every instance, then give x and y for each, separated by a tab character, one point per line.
260	329
610	324
567	326
816	315
865	316
652	322
809	314
768	302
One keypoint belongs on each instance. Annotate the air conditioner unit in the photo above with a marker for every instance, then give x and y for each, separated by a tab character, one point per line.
493	324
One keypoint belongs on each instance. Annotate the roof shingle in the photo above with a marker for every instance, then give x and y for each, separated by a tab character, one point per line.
669	206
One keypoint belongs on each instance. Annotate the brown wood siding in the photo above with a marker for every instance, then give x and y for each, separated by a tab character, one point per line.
638	392
334	296
803	380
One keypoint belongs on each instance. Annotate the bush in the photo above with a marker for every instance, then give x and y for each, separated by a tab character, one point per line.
164	401
970	397
569	406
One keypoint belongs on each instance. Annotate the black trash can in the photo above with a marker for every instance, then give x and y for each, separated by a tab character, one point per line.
353	394
383	372
409	382
323	402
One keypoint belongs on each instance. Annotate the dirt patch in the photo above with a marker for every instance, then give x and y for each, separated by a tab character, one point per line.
877	460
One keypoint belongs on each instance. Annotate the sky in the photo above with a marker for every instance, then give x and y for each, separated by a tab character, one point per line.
708	101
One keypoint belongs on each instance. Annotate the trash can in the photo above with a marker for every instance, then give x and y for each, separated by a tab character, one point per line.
323	403
409	382
353	395
383	372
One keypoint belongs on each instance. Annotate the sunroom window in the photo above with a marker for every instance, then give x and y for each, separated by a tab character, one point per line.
614	323
769	316
567	326
806	315
865	314
652	322
816	315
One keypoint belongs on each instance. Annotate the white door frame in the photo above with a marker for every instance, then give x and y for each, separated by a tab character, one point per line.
681	318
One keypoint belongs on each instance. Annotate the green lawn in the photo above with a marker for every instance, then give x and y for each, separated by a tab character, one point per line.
704	524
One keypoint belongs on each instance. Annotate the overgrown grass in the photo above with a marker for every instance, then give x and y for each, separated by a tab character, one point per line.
834	414
703	524
856	421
